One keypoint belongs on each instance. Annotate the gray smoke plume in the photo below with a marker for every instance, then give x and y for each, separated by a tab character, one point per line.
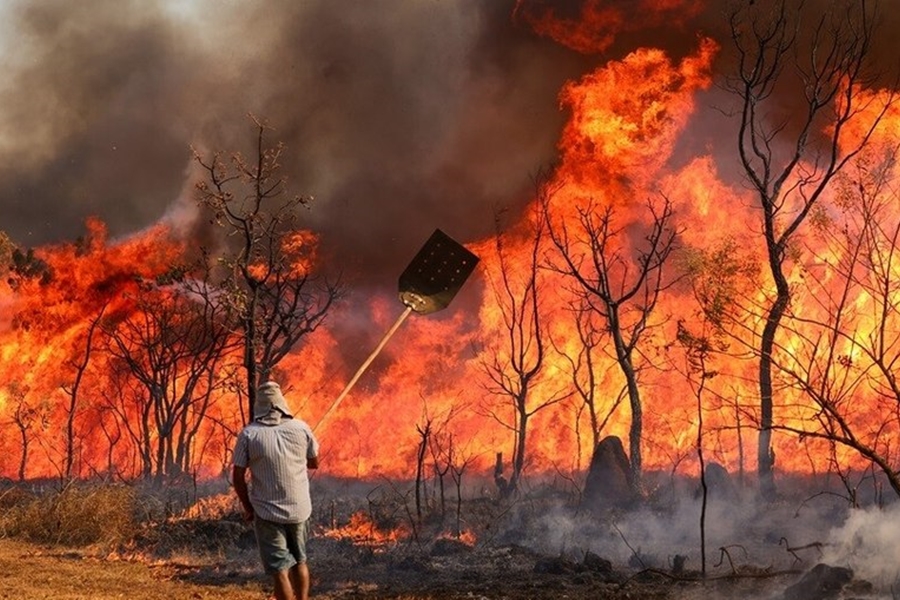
398	116
867	542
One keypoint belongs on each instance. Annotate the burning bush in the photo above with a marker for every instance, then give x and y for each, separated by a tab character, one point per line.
74	515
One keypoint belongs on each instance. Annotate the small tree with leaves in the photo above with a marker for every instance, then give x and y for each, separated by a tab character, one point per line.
822	59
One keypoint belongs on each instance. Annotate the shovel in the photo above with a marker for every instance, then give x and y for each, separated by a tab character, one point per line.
427	285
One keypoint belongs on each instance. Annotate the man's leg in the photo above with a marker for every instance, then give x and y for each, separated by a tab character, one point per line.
272	540
283	589
299	574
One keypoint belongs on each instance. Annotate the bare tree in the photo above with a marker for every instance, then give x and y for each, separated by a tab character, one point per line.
440	448
585	364
791	159
171	344
459	460
514	364
425	432
28	417
79	365
130	430
268	261
112	432
620	285
844	350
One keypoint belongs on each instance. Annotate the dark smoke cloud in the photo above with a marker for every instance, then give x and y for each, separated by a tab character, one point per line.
399	116
86	123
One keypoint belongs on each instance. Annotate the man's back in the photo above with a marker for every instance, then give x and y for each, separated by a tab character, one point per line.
278	450
277	457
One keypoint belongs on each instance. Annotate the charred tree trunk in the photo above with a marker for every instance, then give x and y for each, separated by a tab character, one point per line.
635	432
765	454
425	434
499	480
250	354
518	462
23	461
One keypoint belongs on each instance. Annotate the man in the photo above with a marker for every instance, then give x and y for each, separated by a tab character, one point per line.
278	450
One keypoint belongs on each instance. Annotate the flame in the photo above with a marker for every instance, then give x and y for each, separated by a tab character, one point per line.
302	248
213	507
626	119
465	536
361	530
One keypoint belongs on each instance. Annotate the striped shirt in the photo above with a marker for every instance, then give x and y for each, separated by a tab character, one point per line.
279	480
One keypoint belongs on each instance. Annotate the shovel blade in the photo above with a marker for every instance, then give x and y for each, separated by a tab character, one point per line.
436	274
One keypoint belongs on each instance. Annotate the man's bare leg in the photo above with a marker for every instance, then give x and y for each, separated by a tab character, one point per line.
283	589
300	578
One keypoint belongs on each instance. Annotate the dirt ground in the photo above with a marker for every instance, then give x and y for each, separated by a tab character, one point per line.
343	571
29	571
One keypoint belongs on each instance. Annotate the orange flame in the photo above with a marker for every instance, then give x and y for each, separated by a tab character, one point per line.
466	537
363	531
626	119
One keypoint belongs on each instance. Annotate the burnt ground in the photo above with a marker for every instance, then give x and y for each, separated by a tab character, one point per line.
370	541
450	570
542	547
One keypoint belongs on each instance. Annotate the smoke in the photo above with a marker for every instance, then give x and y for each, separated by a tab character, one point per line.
739	532
743	537
867	543
430	114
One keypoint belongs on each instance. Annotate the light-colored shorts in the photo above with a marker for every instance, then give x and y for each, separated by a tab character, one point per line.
281	545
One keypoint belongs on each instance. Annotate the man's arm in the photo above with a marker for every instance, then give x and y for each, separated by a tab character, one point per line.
239	479
312	450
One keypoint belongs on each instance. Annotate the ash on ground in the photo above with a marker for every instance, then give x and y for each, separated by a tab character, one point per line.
371	541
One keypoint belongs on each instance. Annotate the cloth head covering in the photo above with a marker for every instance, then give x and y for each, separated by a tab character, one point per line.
269	398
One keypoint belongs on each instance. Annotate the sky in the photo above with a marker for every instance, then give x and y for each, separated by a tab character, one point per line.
397	122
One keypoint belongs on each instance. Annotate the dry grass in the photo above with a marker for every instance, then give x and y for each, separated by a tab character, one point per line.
74	516
32	572
99	541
